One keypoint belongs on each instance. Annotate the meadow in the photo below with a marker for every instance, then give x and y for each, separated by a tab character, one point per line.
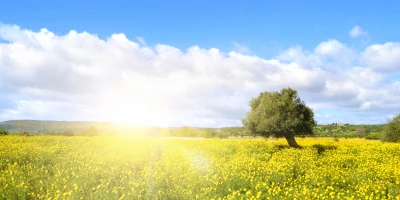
111	167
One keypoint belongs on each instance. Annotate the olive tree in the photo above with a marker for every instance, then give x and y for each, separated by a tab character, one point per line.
279	114
391	131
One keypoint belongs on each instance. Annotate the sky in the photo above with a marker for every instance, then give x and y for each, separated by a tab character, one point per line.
197	63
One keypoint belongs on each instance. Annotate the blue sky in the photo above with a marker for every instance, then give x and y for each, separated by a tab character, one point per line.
266	27
214	56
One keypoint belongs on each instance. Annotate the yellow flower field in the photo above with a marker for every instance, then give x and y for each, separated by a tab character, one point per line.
54	167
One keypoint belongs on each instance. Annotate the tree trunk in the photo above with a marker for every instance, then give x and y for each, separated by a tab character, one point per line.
291	141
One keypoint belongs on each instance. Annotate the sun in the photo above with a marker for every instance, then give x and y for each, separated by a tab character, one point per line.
135	111
128	114
131	112
132	107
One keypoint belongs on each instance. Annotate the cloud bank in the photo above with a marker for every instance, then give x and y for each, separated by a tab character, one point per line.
78	76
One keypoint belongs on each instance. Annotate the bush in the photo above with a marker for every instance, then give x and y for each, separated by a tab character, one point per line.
336	139
210	133
91	131
67	133
3	132
50	133
360	132
222	135
24	133
373	136
391	131
348	134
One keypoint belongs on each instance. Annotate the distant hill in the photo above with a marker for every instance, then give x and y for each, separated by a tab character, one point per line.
38	126
108	128
78	127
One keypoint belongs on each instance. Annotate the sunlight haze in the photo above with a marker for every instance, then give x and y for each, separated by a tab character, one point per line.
195	67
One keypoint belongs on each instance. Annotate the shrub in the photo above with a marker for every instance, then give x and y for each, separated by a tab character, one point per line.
209	133
3	132
91	131
374	136
24	133
222	134
67	133
391	131
50	133
336	139
360	132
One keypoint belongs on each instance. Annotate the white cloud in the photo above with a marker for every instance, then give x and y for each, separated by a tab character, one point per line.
382	57
241	48
364	76
357	31
335	54
78	76
334	49
141	41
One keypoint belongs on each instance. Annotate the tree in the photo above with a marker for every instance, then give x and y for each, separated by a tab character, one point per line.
279	114
3	132
67	133
24	133
91	131
209	133
360	132
391	131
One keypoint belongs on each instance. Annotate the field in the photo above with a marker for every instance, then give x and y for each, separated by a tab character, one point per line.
56	167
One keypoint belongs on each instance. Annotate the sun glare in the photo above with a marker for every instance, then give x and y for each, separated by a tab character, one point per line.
136	111
129	114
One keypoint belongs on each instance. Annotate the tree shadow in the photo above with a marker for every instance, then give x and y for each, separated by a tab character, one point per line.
321	148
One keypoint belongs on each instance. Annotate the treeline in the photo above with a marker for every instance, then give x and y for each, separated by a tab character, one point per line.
140	131
69	128
329	130
47	126
349	130
206	132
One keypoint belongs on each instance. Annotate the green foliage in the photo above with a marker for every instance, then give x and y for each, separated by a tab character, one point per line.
78	128
346	130
24	133
47	126
91	131
374	136
279	114
360	132
188	132
222	134
4	132
234	131
391	131
336	139
210	133
67	133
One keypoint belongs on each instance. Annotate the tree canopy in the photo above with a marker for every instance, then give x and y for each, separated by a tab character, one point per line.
392	130
3	132
279	114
